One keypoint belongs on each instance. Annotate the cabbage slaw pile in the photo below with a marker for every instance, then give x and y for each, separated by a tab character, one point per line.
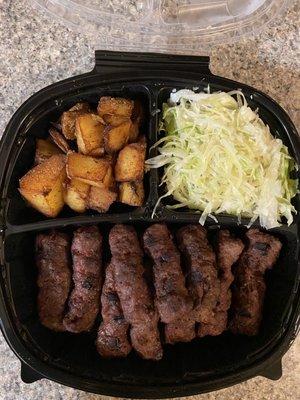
220	157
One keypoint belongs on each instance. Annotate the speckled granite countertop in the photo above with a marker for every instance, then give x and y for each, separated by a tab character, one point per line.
36	51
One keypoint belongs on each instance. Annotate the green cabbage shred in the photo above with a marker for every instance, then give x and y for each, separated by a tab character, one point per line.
220	157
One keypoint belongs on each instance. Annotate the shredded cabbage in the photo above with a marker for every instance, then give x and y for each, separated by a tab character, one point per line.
220	157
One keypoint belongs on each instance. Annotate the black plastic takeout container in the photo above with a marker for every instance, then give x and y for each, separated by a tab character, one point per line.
201	366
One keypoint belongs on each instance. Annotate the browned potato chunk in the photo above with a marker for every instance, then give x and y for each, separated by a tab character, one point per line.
42	186
130	163
44	150
76	194
59	140
115	138
115	106
68	119
114	120
100	199
89	133
87	169
132	193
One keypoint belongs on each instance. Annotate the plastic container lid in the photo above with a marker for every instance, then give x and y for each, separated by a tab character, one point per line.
182	25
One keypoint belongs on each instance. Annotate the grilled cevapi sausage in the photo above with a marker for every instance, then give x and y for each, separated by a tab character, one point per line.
135	297
202	275
229	250
84	301
249	287
172	298
54	277
112	339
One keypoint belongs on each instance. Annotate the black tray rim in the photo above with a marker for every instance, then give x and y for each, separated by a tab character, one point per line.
7	141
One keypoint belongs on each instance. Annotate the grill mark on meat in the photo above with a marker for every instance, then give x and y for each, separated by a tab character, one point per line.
249	287
134	293
112	296
54	278
203	281
172	298
263	247
195	277
84	301
112	340
229	250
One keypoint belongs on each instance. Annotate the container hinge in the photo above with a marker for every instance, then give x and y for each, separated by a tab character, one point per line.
107	62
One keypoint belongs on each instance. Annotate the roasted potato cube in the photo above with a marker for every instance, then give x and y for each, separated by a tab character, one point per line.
42	186
100	199
76	194
44	150
42	176
89	134
115	106
87	169
59	140
132	193
115	138
68	119
130	163
51	204
114	120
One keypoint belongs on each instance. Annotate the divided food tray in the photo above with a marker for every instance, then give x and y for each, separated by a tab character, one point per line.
203	365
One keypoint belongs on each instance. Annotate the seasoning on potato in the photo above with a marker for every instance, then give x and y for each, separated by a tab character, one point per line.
68	119
87	169
130	163
89	130
75	194
101	198
132	193
115	106
116	137
42	186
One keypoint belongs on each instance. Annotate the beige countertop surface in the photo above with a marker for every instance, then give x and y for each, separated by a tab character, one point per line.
36	51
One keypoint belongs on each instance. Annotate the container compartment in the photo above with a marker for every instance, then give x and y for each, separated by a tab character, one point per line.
17	210
256	101
198	361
